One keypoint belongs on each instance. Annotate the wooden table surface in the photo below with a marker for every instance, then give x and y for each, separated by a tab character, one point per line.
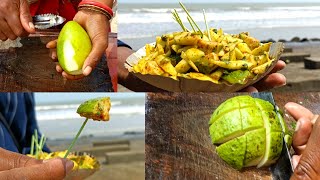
29	68
178	145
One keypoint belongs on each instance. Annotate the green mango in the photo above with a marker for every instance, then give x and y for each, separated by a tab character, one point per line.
73	47
96	109
247	132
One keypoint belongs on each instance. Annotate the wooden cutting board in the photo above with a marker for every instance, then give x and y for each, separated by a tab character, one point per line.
29	68
178	145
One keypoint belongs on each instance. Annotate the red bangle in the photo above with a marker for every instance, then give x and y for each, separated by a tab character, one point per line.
97	4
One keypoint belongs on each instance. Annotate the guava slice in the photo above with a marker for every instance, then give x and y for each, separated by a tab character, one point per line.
265	105
233	152
226	127
274	143
225	107
251	118
256	140
272	122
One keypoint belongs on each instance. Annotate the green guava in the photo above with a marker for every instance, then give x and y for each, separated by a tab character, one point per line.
73	47
247	132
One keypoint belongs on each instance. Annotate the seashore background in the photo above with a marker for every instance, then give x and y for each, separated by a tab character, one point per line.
118	144
296	23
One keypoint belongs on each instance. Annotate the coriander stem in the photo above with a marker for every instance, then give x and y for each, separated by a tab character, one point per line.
75	138
185	9
205	20
177	18
39	147
191	25
44	141
36	141
32	145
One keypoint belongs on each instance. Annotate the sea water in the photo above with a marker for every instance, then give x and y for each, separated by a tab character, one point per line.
140	23
57	117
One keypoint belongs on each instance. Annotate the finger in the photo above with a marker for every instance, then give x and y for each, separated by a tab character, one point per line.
250	89
52	169
10	160
25	17
53	55
72	77
59	68
301	135
3	37
309	166
279	66
6	30
15	25
52	44
297	111
271	81
98	49
295	161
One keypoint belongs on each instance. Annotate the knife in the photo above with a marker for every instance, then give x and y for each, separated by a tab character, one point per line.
283	169
45	21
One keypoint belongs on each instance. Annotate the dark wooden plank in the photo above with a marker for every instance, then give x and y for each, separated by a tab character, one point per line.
178	145
29	68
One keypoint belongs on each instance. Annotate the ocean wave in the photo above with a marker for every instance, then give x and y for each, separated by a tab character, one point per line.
297	8
71	113
147	18
66	106
155	10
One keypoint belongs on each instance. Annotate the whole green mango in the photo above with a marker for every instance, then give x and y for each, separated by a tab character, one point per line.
73	47
247	132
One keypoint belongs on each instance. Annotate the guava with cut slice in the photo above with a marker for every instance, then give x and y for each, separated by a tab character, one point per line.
247	132
73	47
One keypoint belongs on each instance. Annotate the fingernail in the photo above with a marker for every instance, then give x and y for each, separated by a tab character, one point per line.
87	71
31	25
69	166
297	125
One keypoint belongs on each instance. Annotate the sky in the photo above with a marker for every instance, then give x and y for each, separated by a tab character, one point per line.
218	1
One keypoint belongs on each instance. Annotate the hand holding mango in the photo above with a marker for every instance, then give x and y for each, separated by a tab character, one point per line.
96	27
73	47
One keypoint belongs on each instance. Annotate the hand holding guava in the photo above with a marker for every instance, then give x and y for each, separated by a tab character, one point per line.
306	139
97	27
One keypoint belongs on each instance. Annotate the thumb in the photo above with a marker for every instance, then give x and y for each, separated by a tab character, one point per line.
98	49
25	17
55	169
309	164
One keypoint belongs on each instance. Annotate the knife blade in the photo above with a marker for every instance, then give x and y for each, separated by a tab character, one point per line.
283	169
45	21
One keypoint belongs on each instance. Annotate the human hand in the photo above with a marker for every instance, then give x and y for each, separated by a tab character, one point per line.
15	19
306	161
272	80
97	27
18	166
